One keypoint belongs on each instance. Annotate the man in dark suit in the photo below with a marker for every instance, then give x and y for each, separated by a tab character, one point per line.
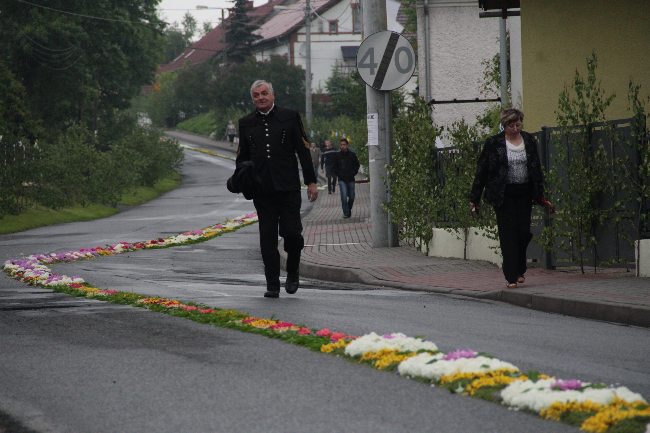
271	137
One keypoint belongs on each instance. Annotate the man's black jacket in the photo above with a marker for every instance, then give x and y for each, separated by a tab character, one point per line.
272	142
346	165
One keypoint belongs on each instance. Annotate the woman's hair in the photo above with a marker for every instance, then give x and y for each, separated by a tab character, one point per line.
258	83
510	115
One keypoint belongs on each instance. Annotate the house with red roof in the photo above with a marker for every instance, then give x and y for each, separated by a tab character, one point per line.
214	42
336	32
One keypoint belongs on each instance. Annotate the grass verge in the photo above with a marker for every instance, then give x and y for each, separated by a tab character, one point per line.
40	216
203	124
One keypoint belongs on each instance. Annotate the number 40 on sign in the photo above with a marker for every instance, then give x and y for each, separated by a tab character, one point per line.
385	60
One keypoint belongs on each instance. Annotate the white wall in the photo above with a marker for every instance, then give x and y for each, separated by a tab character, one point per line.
458	42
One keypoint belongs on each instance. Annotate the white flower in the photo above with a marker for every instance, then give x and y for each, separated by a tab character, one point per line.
422	366
373	343
539	395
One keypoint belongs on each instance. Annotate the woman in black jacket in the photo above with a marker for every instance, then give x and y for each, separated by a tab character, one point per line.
510	172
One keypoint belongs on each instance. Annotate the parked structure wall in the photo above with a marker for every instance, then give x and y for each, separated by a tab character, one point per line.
559	35
458	41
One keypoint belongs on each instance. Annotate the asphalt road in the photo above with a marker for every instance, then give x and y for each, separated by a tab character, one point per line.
76	365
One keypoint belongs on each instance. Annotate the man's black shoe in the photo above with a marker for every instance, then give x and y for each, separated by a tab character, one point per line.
272	290
293	281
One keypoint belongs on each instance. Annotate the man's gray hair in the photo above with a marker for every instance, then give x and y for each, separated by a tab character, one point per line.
258	83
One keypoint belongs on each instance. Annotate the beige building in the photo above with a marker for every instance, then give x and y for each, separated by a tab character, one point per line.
557	36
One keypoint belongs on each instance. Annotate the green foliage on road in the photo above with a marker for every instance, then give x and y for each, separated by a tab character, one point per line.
581	163
39	216
414	185
68	72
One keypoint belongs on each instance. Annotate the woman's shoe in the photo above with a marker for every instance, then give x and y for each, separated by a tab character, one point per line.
511	285
521	279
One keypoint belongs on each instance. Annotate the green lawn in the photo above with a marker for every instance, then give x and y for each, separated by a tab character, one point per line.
40	216
203	124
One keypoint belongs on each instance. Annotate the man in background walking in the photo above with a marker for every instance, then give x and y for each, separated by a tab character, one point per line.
327	161
346	166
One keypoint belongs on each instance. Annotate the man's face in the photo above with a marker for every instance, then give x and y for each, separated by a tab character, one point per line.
328	144
344	146
262	97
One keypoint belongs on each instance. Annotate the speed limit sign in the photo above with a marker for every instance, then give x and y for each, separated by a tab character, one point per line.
385	60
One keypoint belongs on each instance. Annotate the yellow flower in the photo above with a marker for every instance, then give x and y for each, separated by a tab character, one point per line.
489	380
328	348
262	323
556	410
613	413
474	375
386	357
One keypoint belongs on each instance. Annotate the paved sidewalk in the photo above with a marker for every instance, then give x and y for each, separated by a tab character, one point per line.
341	250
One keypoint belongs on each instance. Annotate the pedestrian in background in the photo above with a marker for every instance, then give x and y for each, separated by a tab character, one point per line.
271	137
510	172
327	162
231	131
315	158
346	166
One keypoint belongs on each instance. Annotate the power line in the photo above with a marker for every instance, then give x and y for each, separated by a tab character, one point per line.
83	15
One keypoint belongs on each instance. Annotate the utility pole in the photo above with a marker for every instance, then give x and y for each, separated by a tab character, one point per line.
383	233
503	60
308	114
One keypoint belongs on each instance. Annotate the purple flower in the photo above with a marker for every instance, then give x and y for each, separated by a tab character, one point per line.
458	354
566	385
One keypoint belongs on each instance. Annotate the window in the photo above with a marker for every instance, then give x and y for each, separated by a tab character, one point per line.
357	25
334	26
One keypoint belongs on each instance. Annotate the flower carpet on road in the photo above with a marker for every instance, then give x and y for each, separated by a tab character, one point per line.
593	407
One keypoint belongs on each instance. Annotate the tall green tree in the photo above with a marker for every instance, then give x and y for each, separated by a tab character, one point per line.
239	33
190	25
80	60
174	44
232	88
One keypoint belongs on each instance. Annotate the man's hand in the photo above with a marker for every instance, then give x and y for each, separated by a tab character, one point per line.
312	191
474	209
547	204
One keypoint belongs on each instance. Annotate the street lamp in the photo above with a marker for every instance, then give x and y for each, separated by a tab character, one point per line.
223	10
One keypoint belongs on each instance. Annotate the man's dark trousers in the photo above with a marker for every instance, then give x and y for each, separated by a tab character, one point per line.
279	210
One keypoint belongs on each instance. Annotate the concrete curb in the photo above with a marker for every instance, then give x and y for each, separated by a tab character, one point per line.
627	315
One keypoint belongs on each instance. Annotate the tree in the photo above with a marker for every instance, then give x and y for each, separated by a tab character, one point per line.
348	93
79	68
189	28
206	28
174	44
232	87
239	33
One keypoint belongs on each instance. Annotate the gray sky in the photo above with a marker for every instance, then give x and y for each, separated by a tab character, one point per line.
173	10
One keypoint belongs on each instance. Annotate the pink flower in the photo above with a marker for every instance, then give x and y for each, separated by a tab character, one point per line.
325	332
189	308
304	331
566	385
336	336
281	325
108	292
206	310
458	354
